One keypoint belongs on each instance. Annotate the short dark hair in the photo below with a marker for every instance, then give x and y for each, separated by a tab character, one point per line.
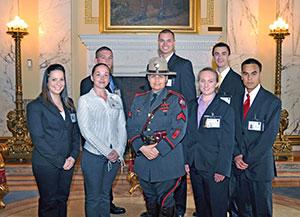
100	64
45	94
209	69
220	44
167	31
101	49
252	61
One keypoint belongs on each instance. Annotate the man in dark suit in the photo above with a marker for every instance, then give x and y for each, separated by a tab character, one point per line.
103	55
258	122
184	81
230	83
230	89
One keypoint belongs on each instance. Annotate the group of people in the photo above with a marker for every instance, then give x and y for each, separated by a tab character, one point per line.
222	139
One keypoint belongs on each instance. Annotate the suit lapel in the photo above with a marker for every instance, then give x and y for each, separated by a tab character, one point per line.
194	114
172	61
55	110
226	83
256	104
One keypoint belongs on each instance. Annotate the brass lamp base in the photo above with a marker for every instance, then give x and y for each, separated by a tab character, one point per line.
283	150
19	145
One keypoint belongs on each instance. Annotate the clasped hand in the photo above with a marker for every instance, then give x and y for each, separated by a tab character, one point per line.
113	156
150	151
240	163
69	163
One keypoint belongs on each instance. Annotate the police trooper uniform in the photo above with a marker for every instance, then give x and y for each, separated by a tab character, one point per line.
164	122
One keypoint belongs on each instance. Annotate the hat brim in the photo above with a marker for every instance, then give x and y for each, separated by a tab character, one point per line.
159	73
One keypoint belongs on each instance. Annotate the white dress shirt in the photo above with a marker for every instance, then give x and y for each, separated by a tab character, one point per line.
102	123
252	94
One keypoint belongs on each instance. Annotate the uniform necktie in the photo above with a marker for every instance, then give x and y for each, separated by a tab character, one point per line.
153	98
246	106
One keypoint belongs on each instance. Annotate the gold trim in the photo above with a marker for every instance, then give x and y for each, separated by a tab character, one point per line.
209	19
105	25
89	19
88	15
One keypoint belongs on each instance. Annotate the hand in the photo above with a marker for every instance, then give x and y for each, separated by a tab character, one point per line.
150	151
187	169
218	177
113	156
240	163
69	163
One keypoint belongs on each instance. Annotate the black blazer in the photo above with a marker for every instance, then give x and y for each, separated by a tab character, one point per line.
256	146
184	81
210	149
54	138
232	85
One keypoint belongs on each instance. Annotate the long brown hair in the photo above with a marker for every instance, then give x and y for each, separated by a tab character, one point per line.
45	94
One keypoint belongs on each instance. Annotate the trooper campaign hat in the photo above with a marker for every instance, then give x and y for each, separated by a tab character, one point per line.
158	66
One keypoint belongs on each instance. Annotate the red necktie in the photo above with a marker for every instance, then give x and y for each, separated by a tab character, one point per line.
246	106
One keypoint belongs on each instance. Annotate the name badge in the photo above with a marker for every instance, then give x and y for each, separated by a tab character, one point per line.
212	122
226	99
169	83
255	126
73	117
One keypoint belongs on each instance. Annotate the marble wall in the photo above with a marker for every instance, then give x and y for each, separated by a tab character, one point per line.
243	44
54	41
55	38
55	35
7	60
289	10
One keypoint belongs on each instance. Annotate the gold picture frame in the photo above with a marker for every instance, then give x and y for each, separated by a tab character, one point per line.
142	16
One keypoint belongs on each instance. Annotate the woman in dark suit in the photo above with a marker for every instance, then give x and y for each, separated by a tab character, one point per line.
55	135
208	147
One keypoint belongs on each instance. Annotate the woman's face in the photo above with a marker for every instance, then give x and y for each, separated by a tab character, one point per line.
157	82
100	77
207	82
56	82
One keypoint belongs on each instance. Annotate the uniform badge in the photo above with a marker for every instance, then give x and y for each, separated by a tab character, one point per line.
164	107
182	103
129	114
182	116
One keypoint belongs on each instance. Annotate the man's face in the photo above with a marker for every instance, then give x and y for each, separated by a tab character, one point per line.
166	44
157	82
221	57
106	57
250	76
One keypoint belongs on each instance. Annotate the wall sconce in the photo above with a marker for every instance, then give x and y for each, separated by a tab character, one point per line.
282	147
